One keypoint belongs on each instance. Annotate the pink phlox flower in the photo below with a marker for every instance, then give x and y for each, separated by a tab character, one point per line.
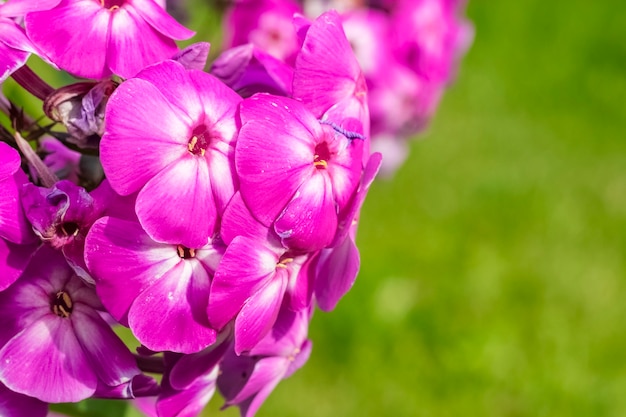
295	173
254	278
170	135
368	32
402	103
54	344
118	37
159	290
61	216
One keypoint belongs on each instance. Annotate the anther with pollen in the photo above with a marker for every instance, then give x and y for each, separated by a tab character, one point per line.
283	263
321	156
62	304
193	147
185	252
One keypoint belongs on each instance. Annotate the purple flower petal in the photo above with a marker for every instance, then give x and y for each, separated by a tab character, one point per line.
189	368
13	404
289	332
100	344
250	70
53	366
194	56
266	375
13	260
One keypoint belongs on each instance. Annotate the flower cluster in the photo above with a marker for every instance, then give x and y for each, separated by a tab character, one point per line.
408	51
209	218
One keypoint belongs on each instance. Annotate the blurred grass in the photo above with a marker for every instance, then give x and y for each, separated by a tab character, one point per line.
493	265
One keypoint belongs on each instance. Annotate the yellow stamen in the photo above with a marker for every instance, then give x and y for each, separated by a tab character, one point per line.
321	163
284	262
192	143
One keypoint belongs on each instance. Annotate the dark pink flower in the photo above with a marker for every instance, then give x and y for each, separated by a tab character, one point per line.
170	134
54	344
159	290
96	39
294	172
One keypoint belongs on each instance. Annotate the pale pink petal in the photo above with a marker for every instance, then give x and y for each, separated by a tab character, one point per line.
176	206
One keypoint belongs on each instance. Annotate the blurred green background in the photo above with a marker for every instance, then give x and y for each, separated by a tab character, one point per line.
493	267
